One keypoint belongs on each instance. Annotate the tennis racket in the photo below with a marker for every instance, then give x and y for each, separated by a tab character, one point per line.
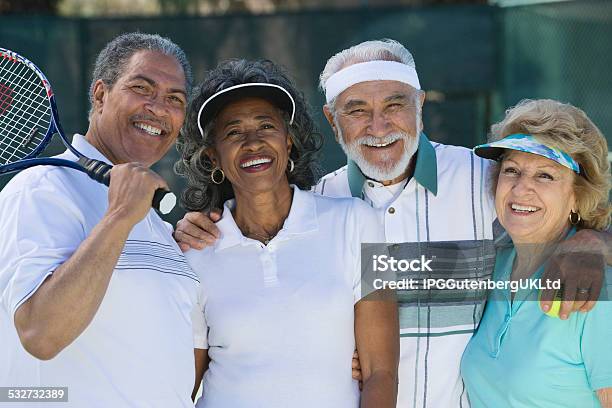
29	119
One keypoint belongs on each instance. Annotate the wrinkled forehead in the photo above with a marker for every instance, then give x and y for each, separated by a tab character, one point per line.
241	108
372	92
155	66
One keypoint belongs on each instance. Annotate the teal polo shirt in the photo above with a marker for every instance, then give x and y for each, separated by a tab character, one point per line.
520	357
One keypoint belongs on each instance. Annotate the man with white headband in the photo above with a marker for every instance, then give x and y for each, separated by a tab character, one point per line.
426	192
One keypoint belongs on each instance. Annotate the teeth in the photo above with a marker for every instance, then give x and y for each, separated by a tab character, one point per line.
149	129
380	144
524	208
255	162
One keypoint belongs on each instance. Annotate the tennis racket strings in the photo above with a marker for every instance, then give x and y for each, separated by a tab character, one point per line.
22	128
29	119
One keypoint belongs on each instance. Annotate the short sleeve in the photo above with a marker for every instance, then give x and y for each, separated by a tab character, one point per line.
488	193
368	240
596	335
200	326
40	229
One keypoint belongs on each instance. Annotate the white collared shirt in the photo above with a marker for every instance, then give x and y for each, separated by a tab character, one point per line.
278	320
447	200
380	196
138	349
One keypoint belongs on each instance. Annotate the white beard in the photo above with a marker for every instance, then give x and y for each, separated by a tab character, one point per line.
387	170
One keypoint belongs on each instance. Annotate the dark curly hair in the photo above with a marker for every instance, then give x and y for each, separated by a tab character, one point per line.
201	193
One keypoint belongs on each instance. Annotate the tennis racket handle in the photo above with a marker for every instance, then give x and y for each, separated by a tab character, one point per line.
100	172
159	195
96	169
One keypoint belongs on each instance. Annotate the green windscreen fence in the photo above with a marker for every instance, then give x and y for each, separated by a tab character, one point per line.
473	61
561	51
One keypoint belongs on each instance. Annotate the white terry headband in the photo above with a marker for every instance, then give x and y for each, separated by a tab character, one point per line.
370	71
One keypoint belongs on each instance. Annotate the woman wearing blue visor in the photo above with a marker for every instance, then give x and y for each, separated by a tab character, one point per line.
552	177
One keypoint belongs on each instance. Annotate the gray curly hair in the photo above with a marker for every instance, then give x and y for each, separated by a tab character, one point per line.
201	193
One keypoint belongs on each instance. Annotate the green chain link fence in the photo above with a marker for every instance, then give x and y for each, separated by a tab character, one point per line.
474	61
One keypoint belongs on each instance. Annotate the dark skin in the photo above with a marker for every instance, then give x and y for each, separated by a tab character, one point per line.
252	146
65	304
201	365
588	251
253	129
579	261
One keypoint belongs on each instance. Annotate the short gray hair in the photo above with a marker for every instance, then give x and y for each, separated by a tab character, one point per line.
113	59
376	50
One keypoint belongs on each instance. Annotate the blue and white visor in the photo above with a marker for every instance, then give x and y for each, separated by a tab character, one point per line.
528	144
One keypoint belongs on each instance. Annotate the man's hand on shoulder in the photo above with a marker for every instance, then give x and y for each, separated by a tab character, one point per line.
197	230
579	263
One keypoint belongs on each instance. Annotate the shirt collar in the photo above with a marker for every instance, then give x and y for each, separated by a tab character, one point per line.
302	219
425	171
230	233
85	148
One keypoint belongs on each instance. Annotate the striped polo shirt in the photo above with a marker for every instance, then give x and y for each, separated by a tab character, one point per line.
137	351
447	210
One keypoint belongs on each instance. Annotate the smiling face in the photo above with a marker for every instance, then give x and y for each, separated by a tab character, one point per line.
377	124
252	145
534	197
139	117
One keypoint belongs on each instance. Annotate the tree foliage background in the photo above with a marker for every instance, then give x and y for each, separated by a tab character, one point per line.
29	6
91	8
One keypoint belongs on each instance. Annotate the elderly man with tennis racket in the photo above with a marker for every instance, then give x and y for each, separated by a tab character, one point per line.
95	295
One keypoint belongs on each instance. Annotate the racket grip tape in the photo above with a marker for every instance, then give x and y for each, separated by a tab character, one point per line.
100	172
159	195
96	169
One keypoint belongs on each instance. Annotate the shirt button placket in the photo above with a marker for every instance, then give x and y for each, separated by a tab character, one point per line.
268	265
391	226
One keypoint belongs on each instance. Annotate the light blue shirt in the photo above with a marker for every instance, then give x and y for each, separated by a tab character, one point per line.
520	357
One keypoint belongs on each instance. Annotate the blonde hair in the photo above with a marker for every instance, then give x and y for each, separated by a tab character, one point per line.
567	128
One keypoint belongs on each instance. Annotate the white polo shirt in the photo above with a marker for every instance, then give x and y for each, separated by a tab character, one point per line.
447	208
138	349
278	320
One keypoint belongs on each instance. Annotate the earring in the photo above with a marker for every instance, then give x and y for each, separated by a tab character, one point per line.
212	175
574	218
291	165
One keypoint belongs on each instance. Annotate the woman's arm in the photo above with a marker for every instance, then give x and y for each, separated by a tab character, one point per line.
605	397
377	338
201	365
